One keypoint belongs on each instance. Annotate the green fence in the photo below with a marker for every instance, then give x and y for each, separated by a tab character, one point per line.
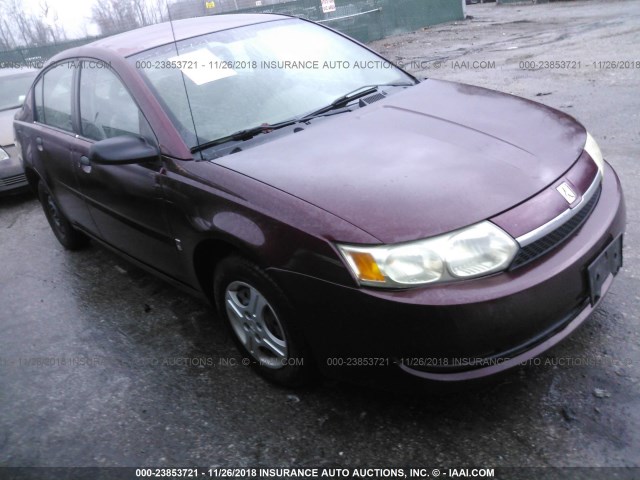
366	20
36	56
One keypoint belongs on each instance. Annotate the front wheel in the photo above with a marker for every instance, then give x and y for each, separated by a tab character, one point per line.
69	237
262	322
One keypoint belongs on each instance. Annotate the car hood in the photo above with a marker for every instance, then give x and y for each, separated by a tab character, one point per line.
6	127
430	159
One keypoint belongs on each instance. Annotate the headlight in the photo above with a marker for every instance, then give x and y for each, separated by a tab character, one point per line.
3	155
592	148
474	251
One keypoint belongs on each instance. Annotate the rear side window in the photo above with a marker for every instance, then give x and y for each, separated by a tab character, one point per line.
53	97
106	107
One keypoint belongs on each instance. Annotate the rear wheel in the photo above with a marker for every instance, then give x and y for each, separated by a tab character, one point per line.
261	321
69	237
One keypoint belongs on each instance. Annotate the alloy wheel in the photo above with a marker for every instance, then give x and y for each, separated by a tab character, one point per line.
256	324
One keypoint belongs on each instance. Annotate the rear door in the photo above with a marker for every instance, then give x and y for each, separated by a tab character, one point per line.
125	201
53	138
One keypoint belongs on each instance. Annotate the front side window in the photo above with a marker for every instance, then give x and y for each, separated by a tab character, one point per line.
223	82
55	108
106	107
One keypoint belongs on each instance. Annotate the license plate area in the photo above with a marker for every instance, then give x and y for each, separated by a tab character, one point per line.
608	263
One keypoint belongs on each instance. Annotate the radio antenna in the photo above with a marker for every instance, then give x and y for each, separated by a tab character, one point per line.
184	83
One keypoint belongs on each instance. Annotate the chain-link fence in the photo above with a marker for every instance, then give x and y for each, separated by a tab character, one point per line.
365	20
34	57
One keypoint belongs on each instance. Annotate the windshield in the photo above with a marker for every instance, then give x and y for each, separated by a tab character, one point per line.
258	74
13	88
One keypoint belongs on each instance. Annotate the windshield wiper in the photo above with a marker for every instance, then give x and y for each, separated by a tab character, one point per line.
245	134
339	102
352	95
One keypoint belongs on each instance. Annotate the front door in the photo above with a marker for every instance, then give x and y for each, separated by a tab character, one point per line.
125	201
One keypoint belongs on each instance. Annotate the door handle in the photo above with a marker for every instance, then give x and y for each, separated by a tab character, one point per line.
85	164
39	144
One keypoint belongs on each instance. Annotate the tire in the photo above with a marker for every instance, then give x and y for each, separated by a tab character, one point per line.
69	237
262	322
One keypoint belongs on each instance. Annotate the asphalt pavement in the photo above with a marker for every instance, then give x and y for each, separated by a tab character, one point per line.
102	364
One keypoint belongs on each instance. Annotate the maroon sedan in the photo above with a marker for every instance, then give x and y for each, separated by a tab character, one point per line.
342	215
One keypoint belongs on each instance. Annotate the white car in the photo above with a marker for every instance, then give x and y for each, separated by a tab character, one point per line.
14	84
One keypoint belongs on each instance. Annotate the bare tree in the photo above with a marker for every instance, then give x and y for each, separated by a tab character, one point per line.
113	16
17	27
55	29
7	42
17	20
38	33
154	11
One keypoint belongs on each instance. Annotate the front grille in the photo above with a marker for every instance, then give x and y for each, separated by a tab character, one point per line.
541	246
13	180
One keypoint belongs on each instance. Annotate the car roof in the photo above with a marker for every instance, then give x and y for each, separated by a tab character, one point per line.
145	38
10	72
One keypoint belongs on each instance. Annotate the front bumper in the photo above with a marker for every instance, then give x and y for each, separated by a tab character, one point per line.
12	177
438	333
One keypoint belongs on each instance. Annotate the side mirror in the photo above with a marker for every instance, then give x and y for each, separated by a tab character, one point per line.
124	150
